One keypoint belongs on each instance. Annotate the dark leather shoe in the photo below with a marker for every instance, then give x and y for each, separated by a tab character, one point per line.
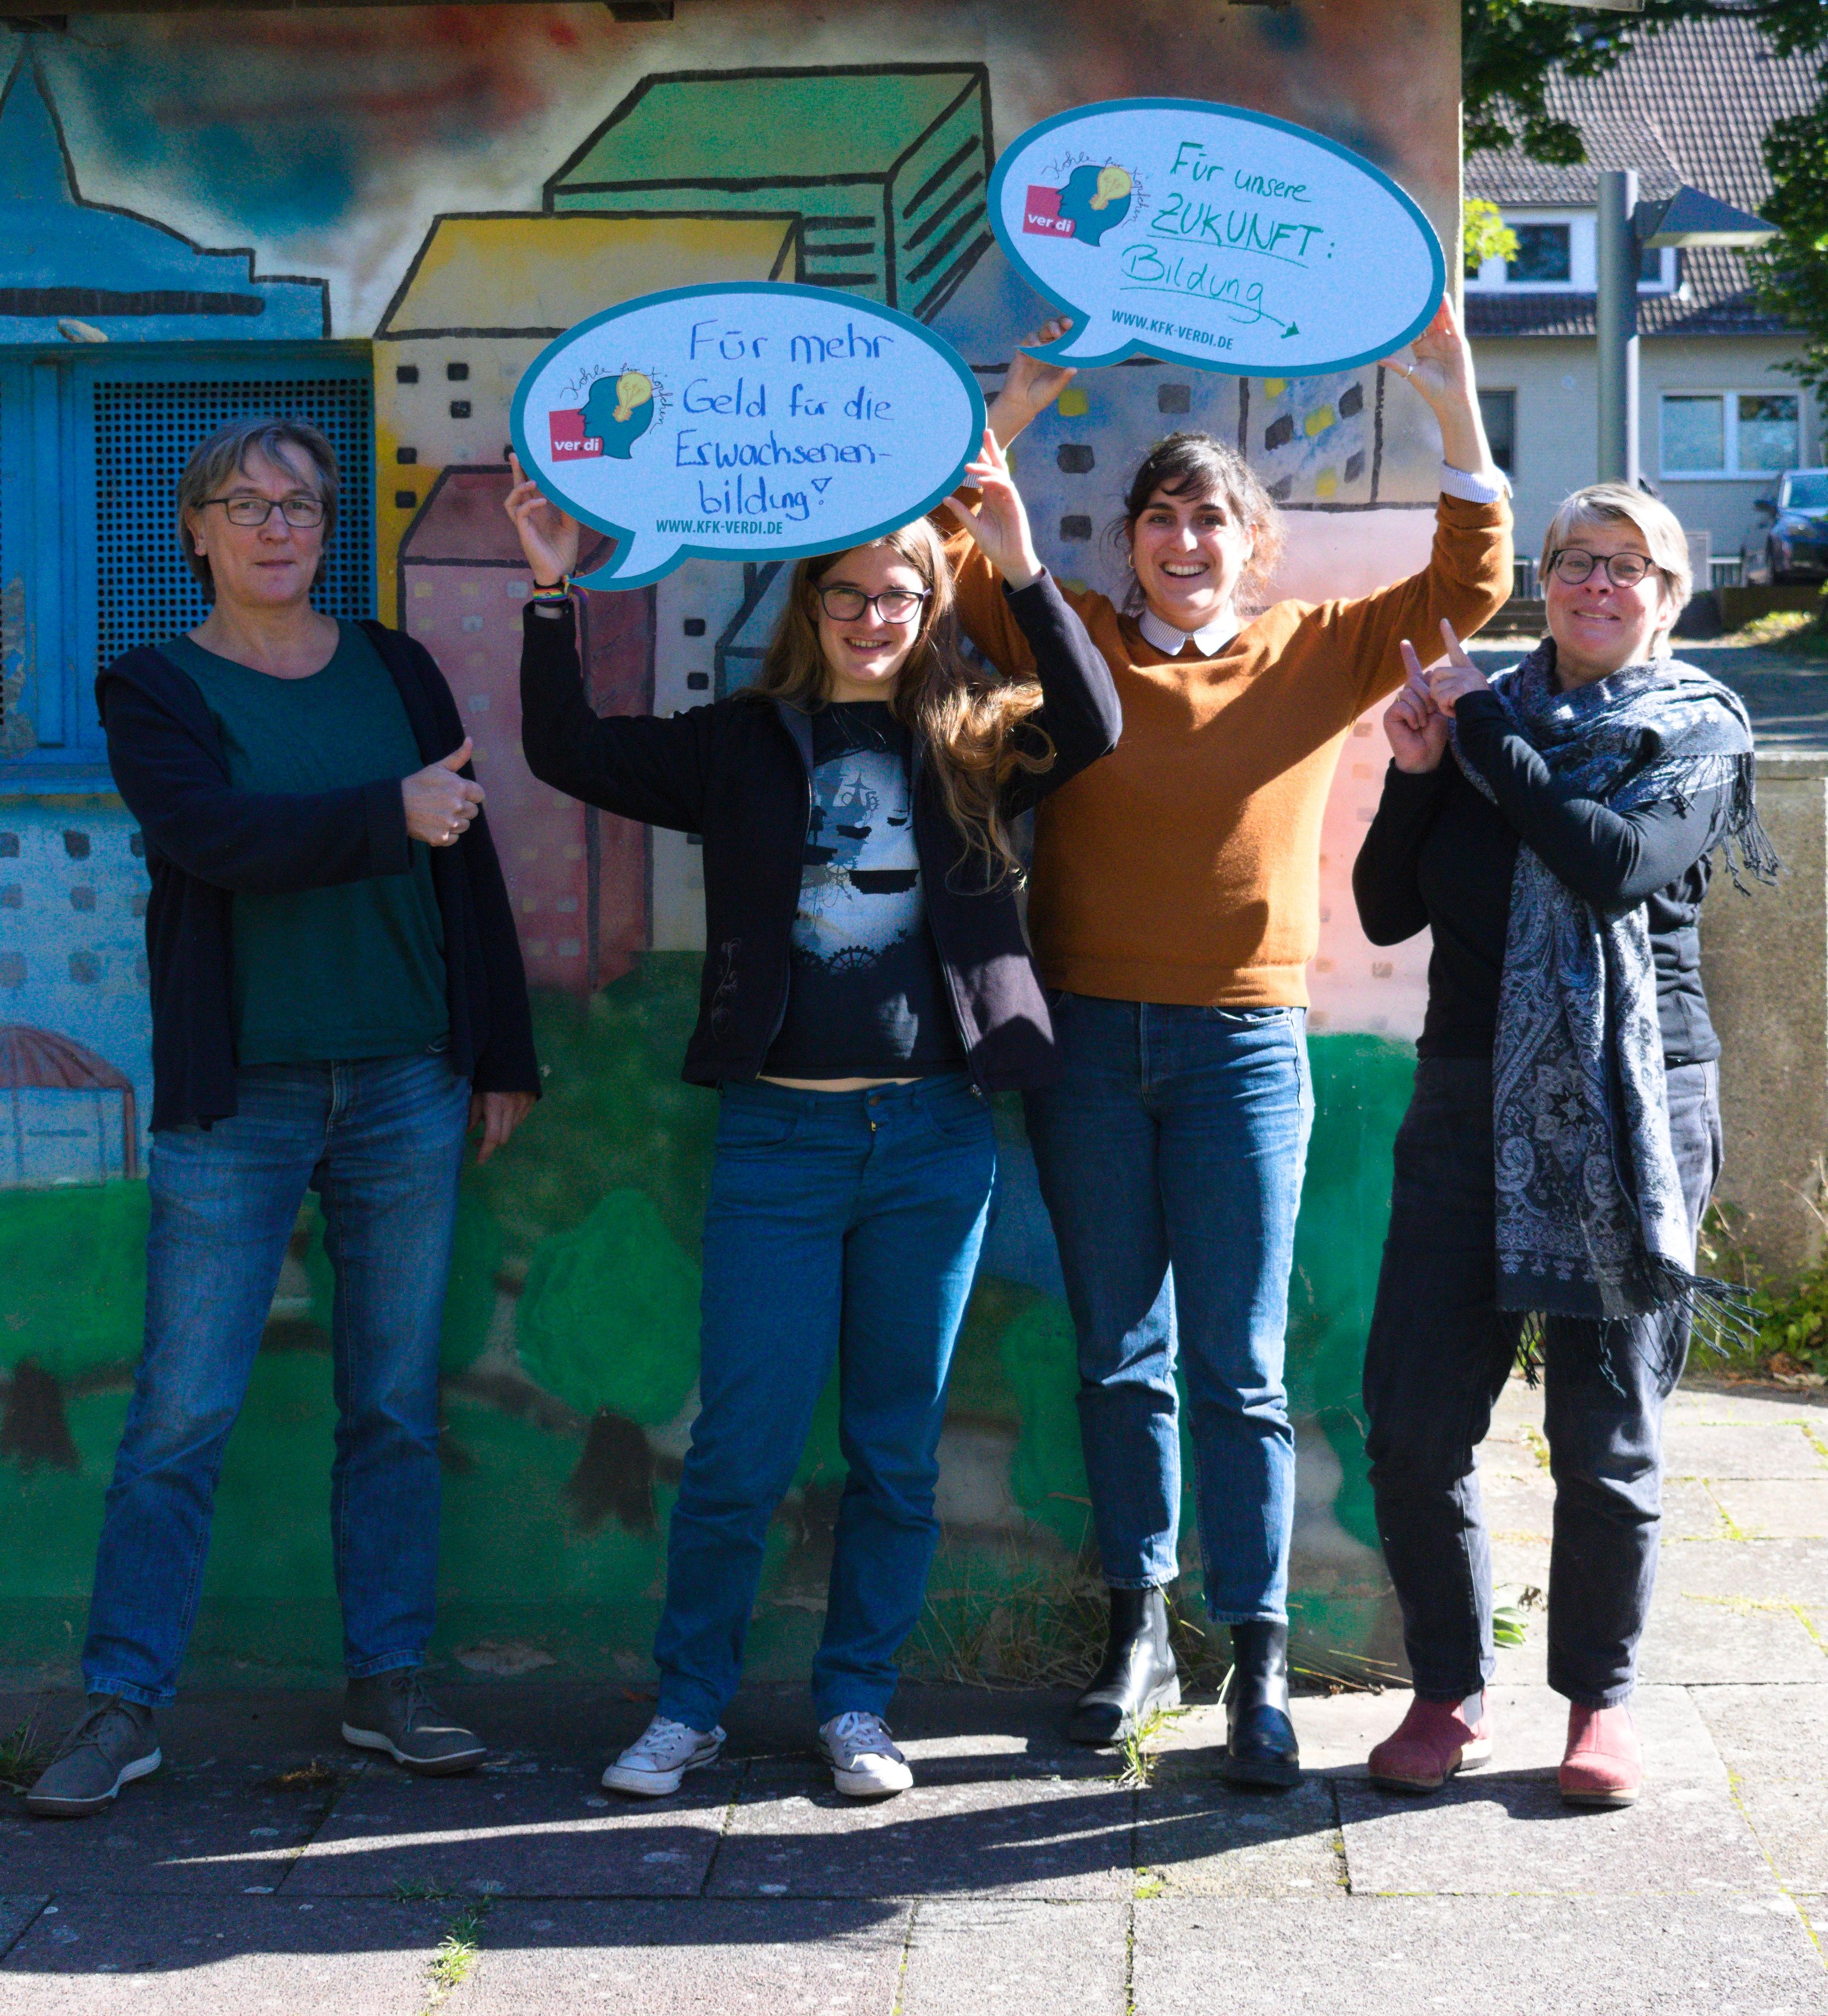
1138	1674
1260	1747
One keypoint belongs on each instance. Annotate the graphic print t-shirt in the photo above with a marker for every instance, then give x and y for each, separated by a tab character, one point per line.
867	997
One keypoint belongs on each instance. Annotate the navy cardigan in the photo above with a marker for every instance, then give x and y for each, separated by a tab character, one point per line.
204	840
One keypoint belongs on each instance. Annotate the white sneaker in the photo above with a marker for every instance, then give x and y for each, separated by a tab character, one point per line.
865	1764
653	1764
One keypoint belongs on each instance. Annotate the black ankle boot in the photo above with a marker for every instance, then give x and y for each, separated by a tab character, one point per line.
1138	1674
1260	1747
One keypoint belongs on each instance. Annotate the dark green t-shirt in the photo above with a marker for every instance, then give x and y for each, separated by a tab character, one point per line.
357	970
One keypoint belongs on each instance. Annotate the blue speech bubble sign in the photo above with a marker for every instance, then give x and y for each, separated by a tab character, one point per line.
744	421
1223	239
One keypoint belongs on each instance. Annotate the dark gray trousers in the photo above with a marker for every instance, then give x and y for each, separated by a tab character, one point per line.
1439	1353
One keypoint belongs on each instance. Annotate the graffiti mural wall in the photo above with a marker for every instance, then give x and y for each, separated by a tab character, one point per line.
377	219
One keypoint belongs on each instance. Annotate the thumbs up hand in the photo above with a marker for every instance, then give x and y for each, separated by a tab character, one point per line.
439	804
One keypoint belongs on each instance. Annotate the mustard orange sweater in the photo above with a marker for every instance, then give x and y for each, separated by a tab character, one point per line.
1186	865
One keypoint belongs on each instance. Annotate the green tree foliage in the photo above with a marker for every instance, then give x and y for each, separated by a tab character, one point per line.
609	1316
1484	234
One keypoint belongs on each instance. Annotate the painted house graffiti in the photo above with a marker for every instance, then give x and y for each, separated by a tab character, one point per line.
566	164
72	1114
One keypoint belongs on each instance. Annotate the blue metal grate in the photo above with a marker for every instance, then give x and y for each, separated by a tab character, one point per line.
145	431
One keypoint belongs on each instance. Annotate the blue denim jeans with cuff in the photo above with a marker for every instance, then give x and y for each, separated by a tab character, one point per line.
381	1141
840	1226
1171	1157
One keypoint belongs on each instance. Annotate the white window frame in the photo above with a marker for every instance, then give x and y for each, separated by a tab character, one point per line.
1730	397
1493	276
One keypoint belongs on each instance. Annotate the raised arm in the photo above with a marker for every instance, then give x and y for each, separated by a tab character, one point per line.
638	766
1079	713
1468	577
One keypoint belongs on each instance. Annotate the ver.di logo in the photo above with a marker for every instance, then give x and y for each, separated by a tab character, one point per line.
613	415
1092	200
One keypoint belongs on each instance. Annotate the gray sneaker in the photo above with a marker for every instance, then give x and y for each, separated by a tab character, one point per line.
114	1741
391	1711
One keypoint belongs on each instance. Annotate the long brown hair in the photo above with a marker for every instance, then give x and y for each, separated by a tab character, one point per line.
964	718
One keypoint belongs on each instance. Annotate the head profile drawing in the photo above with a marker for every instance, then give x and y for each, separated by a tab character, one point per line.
619	412
1094	199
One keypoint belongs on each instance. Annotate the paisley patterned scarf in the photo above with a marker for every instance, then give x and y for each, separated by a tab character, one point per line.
1591	1220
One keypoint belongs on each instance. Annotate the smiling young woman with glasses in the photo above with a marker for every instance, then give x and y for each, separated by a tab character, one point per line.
867	986
336	997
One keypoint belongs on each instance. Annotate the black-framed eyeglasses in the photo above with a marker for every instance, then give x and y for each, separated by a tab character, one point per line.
300	511
892	605
1575	564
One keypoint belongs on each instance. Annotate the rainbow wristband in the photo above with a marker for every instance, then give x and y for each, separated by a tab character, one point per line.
559	591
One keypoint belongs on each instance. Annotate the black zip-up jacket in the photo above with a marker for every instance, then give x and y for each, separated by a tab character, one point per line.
739	774
205	840
1441	855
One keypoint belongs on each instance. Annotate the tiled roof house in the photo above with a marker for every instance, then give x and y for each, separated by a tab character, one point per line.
1719	413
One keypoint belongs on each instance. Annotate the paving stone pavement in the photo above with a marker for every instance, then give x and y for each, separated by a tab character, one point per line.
268	1870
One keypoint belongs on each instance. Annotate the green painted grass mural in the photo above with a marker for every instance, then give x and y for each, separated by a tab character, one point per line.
569	1360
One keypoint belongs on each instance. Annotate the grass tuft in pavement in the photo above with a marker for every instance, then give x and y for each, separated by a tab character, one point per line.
23	1756
1139	1760
457	1952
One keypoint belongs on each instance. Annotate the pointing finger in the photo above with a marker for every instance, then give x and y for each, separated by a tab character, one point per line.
1457	651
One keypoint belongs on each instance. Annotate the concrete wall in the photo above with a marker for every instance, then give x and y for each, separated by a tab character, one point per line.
1553	378
421	193
1764	963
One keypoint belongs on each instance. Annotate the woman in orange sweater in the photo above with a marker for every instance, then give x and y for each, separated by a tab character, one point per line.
1175	904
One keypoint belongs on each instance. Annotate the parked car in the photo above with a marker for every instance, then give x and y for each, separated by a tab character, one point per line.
1796	548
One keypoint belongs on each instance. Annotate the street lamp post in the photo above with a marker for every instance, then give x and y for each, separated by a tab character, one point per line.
1627	230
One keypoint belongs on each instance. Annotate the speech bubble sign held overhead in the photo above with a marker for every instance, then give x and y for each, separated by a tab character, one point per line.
1223	239
755	421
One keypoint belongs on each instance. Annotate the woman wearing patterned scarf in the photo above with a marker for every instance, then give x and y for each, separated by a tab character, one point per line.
1555	829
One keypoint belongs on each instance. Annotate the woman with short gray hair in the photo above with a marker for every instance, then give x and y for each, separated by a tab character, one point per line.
1554	828
336	996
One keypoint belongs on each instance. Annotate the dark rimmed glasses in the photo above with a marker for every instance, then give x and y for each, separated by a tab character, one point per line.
301	511
892	605
1575	564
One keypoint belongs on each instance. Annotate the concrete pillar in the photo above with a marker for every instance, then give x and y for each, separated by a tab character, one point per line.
1764	963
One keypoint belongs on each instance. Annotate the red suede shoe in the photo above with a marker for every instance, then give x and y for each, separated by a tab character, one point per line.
1434	1740
1603	1767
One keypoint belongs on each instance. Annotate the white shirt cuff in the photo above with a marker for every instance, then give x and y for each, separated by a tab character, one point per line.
1473	489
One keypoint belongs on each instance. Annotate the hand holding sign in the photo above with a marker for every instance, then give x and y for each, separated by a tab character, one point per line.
1440	368
999	523
1225	239
761	421
549	536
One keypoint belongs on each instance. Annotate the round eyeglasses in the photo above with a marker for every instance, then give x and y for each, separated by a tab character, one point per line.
892	605
244	510
1574	564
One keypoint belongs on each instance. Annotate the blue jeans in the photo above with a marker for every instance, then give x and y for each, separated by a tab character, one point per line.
1171	1157
380	1140
842	1225
1439	1354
